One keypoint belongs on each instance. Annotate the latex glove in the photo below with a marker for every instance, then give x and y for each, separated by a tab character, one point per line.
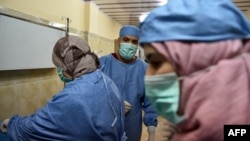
166	130
151	133
4	125
127	105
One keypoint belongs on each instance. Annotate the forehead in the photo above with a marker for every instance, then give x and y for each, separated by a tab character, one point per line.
129	38
151	53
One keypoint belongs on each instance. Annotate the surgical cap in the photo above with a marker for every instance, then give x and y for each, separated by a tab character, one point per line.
194	20
72	54
129	30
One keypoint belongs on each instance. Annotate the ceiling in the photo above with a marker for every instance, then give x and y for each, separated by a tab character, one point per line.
129	11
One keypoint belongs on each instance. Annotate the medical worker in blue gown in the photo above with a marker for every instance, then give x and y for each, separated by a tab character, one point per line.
127	71
88	108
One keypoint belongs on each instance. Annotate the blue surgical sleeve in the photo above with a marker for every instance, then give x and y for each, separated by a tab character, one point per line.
150	114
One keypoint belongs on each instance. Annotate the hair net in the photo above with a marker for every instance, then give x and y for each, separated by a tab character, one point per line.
195	20
73	55
129	30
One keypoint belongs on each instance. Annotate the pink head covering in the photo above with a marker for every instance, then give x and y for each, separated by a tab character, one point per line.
215	97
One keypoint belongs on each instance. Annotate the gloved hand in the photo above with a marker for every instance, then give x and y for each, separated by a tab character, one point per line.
127	105
151	133
4	125
166	130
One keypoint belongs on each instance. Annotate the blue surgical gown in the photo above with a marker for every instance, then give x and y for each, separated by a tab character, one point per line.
3	136
129	79
87	109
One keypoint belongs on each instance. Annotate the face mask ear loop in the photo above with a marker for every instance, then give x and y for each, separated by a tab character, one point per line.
180	110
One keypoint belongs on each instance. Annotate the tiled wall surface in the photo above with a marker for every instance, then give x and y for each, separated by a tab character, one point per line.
24	91
100	45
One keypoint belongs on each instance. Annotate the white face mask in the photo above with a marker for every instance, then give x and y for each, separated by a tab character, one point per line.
164	93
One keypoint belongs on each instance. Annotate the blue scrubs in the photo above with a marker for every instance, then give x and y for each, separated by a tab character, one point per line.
129	79
87	109
3	136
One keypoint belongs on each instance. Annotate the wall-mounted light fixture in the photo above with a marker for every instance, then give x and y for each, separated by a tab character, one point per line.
163	2
144	15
